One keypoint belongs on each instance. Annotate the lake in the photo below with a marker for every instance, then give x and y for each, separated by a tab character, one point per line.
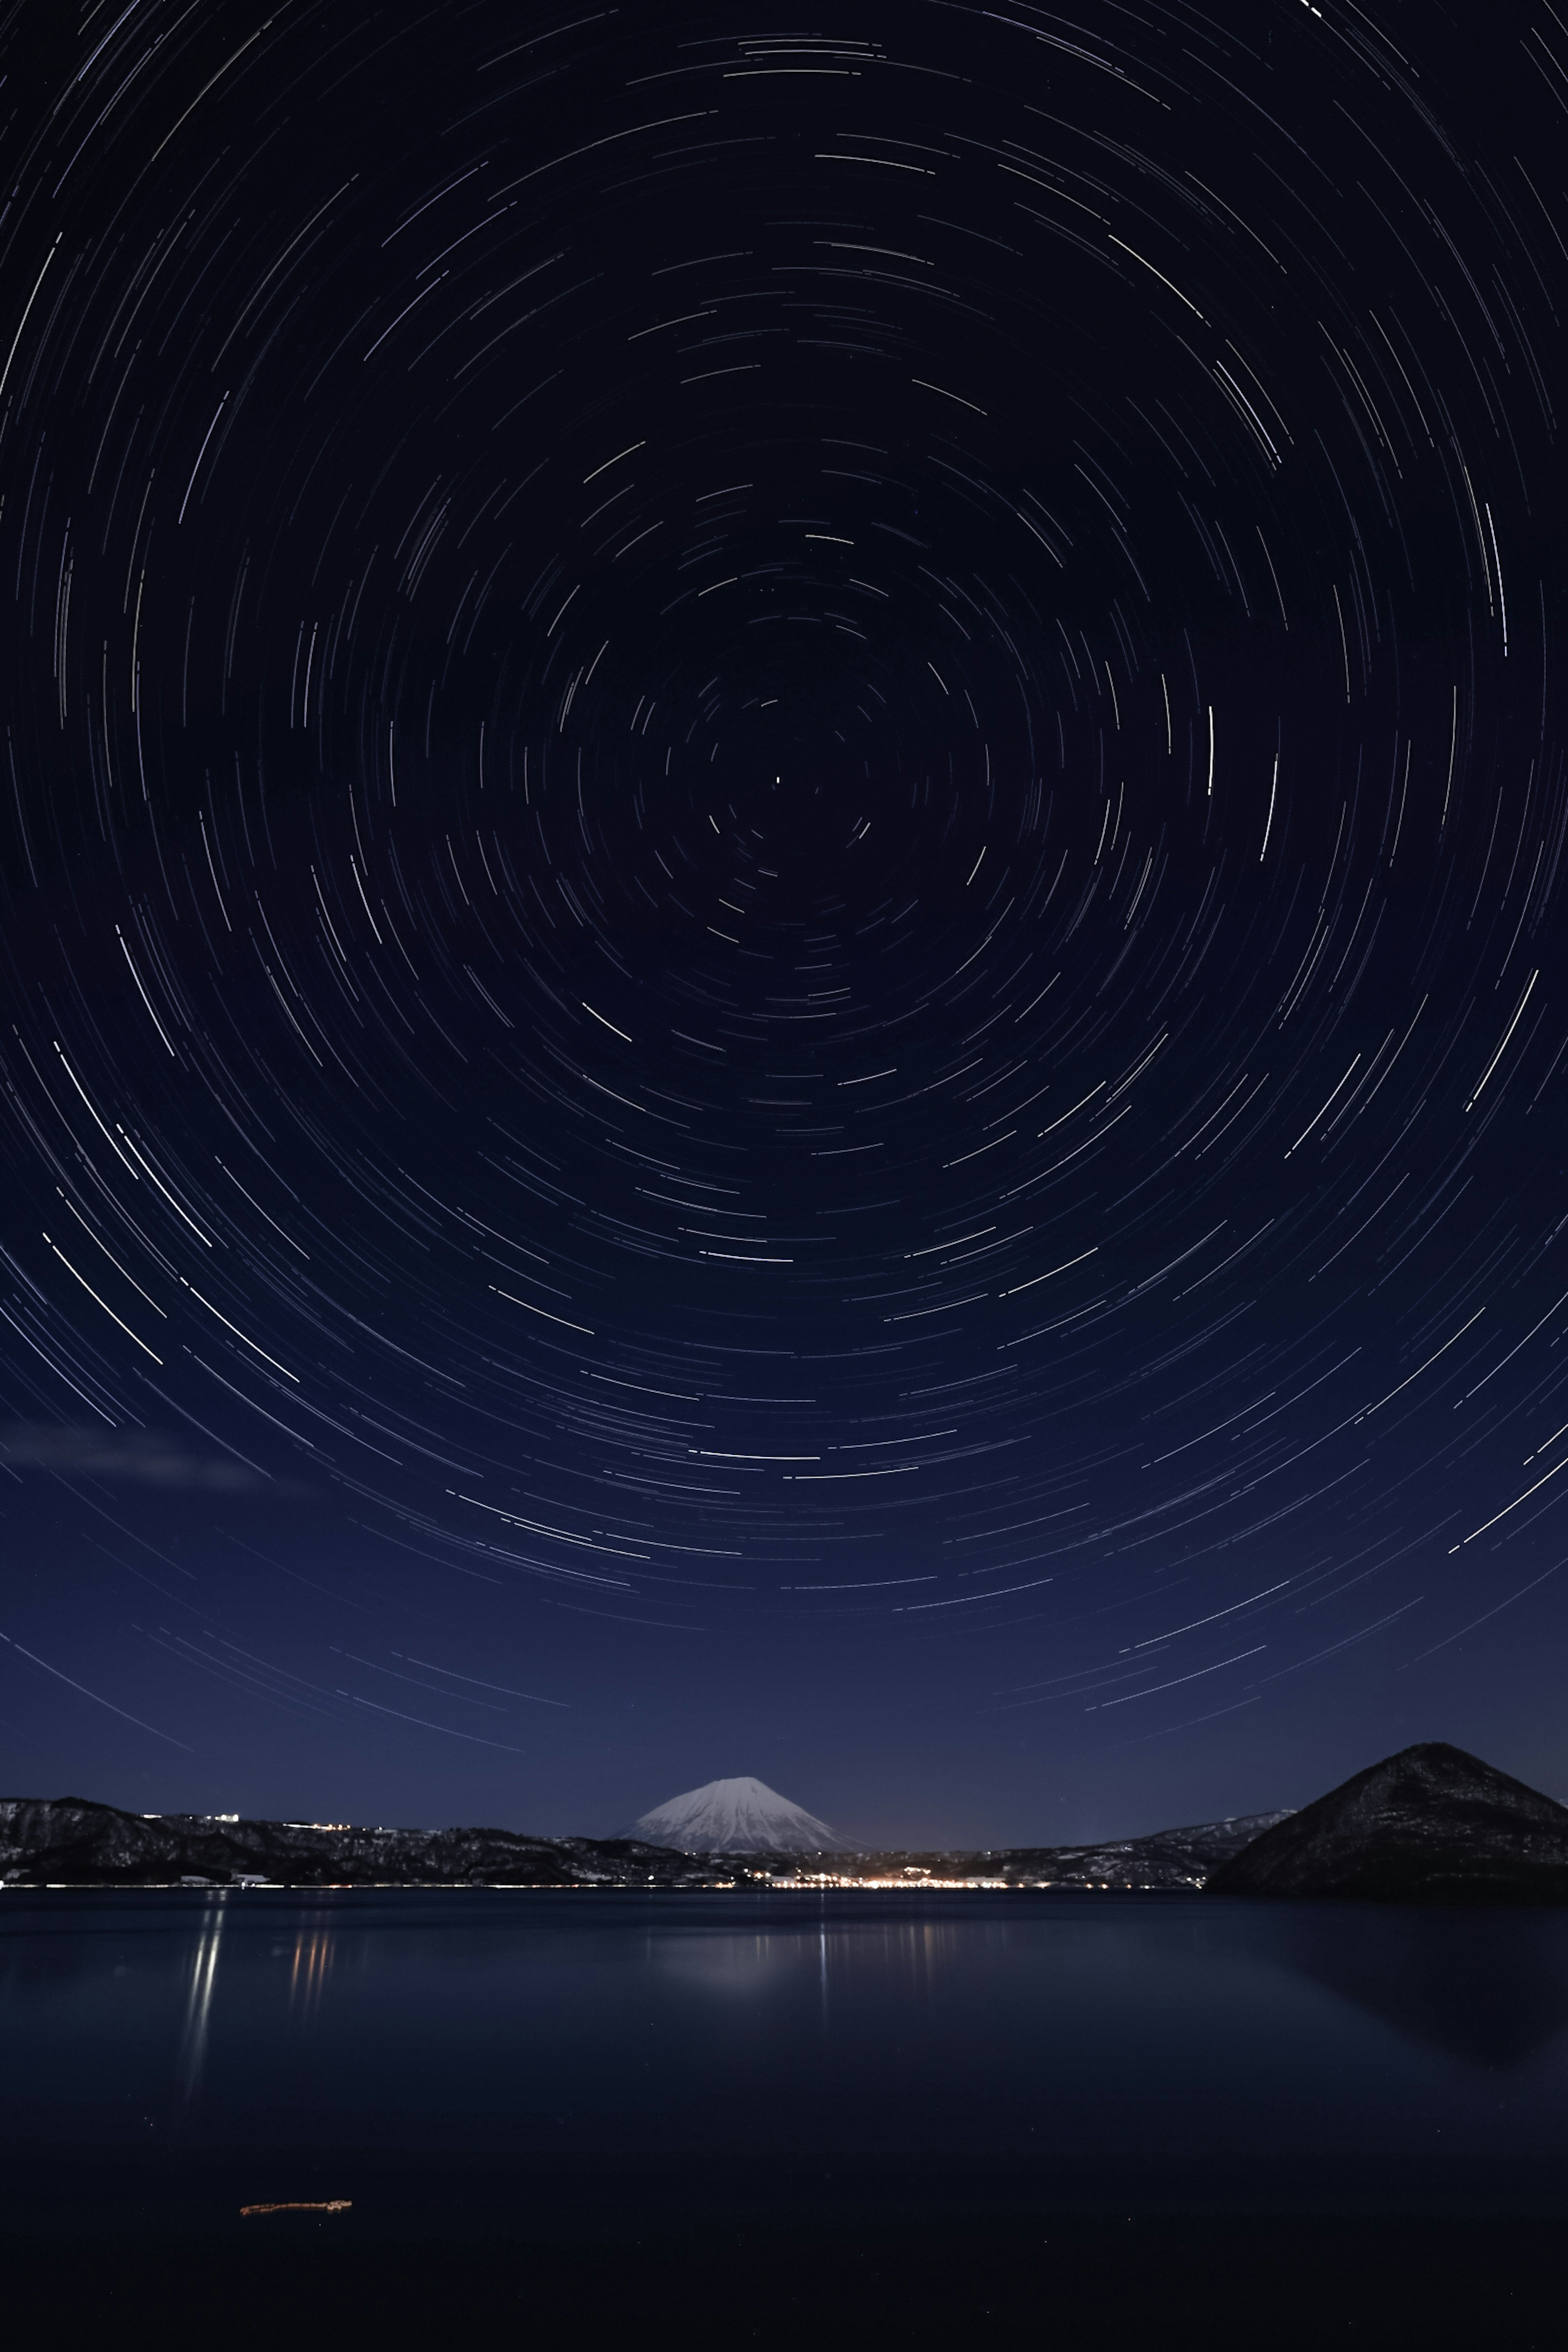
846	2117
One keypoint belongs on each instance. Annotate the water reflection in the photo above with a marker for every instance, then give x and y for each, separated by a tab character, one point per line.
1491	1988
939	2087
311	1961
733	1967
910	1951
203	1983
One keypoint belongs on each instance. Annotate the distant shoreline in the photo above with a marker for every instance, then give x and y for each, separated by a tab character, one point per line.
756	1884
66	1842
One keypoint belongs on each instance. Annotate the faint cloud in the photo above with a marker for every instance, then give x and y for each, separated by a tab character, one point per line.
141	1457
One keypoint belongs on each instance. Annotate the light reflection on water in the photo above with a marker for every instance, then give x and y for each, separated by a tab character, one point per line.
753	1964
311	1961
1489	1990
1174	2053
567	2088
203	1966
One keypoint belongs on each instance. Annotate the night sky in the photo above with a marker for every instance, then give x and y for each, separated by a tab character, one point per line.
784	967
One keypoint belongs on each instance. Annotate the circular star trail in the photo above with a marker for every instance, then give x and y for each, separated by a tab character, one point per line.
783	842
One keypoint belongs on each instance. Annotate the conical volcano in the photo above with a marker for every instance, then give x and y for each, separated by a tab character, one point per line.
742	1816
1430	1824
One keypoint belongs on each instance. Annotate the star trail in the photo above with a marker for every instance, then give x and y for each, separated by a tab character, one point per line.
782	845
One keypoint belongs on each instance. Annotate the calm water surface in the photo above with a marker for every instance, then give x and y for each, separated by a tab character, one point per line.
1158	2119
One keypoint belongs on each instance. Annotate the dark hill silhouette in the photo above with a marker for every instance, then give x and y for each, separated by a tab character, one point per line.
75	1842
1430	1824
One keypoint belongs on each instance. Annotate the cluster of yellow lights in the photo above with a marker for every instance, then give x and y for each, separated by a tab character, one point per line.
906	1879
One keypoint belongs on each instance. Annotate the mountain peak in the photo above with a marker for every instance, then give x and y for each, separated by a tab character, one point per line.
1430	1824
740	1816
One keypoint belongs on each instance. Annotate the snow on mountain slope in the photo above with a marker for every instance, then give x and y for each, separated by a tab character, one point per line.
742	1816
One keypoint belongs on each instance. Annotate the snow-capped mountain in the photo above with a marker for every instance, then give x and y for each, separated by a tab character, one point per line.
735	1817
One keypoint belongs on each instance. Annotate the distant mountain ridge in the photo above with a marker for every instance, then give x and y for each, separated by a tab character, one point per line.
75	1842
1167	1861
1430	1824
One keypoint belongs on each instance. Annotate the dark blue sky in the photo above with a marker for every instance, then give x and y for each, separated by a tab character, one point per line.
783	856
